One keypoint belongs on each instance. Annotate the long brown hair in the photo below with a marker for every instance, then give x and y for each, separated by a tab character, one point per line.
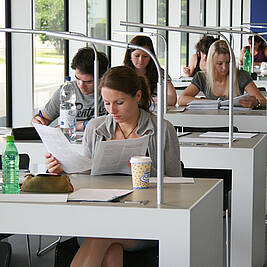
125	79
151	70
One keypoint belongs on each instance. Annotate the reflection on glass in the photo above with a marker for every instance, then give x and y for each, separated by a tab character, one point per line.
97	21
2	67
162	14
184	35
49	51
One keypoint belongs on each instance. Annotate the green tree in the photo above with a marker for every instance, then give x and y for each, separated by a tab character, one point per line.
49	16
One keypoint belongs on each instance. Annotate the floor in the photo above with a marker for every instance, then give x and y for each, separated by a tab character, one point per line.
19	255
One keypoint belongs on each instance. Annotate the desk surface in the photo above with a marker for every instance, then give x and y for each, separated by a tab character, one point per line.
176	196
175	224
249	121
242	143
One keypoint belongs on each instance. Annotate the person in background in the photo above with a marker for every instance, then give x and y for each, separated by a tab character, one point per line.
198	60
83	64
140	61
260	50
214	82
127	99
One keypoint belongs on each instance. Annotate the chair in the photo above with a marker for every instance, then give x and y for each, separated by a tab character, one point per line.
205	129
66	250
5	254
24	164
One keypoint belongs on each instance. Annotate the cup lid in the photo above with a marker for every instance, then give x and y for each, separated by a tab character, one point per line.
140	159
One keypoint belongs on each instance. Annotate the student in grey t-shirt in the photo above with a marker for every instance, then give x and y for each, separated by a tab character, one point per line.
83	64
214	82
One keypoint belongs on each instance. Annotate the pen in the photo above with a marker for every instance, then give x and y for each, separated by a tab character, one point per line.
40	114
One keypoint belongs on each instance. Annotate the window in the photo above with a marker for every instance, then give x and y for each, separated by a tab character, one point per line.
184	35
97	21
2	66
162	21
48	51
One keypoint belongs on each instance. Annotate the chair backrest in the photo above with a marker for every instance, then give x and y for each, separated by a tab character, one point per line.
24	162
206	129
5	254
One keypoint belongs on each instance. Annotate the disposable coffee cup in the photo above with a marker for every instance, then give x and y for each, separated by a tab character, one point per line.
141	170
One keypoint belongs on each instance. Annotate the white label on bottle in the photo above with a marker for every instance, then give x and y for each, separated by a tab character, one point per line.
67	118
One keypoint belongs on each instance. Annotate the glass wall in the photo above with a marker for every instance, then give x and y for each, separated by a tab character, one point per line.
97	21
48	51
2	67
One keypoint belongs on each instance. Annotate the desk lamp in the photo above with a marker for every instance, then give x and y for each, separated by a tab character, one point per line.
68	36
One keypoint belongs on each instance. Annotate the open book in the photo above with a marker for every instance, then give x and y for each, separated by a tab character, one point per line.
216	104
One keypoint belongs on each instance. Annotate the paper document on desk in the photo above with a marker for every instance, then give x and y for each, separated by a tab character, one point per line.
58	145
236	103
33	197
202	140
112	156
97	195
173	180
226	135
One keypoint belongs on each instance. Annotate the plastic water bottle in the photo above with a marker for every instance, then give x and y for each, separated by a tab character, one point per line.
10	165
68	110
247	61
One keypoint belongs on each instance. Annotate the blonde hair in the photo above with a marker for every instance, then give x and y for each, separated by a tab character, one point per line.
217	48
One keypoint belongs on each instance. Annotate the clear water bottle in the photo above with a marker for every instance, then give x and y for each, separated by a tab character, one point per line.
10	165
68	110
247	61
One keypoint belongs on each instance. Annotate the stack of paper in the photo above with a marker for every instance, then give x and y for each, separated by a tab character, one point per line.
204	104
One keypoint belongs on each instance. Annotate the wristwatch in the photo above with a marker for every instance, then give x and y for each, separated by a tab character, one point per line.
258	106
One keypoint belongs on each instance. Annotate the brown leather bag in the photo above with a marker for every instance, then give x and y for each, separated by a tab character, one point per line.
47	183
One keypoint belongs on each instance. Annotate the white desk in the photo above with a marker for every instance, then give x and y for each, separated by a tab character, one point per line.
247	159
250	121
188	225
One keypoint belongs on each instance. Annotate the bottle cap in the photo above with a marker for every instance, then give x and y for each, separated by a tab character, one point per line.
10	138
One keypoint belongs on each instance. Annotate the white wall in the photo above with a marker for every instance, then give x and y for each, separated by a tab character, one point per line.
22	58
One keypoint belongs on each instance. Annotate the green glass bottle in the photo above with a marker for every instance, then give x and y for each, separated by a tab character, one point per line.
10	166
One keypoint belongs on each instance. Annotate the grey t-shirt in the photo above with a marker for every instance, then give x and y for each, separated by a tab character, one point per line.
200	82
84	105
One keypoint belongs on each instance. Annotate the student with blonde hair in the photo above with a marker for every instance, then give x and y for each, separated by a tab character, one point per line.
214	82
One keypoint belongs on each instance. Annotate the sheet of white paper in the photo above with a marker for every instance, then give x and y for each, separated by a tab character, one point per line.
30	197
58	145
235	101
115	154
94	195
202	140
173	109
226	134
174	180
